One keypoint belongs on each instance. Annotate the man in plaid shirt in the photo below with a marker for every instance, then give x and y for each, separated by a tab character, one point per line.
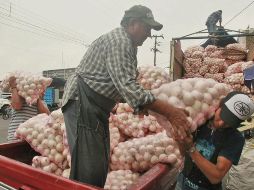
107	75
212	20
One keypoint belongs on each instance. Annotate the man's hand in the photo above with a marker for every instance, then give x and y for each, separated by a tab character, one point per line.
180	124
185	144
12	82
176	116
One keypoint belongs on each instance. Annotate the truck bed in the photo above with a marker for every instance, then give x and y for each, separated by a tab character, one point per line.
17	172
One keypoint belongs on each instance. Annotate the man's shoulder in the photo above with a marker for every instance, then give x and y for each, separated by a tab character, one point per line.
235	136
117	35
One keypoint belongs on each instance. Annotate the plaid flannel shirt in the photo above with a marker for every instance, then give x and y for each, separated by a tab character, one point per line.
109	67
213	18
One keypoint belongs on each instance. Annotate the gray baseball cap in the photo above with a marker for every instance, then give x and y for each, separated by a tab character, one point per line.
235	108
144	14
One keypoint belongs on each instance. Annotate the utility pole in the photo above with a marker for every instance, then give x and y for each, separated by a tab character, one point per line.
154	49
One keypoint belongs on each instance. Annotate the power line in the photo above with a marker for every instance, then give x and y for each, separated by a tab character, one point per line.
40	20
39	28
31	15
40	34
239	13
42	29
36	27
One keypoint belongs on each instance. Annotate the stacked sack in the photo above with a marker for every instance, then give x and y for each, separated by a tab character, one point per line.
120	179
132	125
45	134
29	86
140	154
235	52
43	163
211	62
204	63
152	77
235	78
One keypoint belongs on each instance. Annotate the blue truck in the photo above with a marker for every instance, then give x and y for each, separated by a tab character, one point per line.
51	97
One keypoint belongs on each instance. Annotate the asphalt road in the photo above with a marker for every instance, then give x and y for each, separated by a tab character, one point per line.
3	130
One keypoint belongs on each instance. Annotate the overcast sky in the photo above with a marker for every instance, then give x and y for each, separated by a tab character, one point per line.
58	26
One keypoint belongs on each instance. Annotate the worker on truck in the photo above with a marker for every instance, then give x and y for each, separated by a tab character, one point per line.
107	74
212	21
216	145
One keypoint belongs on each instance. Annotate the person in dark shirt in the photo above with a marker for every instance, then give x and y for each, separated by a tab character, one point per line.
216	145
212	20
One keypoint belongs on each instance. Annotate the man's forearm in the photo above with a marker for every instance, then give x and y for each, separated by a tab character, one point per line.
209	169
161	107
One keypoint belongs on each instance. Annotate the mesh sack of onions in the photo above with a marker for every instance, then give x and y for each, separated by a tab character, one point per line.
194	68
213	61
214	69
131	125
66	151
29	86
191	61
187	68
140	154
120	179
115	136
224	67
45	136
217	54
190	50
236	78
43	163
230	62
236	68
219	77
246	65
204	69
66	173
192	75
197	54
236	46
236	57
211	48
236	87
152	77
198	96
245	90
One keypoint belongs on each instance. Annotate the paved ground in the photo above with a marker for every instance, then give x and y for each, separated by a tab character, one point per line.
3	129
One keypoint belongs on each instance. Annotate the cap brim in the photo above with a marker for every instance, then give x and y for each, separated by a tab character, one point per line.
154	24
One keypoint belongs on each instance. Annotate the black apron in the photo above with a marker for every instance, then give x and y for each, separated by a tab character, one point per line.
88	136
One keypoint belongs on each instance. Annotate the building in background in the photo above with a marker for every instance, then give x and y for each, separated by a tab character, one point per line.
59	73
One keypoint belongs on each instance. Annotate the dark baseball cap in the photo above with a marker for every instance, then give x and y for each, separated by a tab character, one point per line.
144	14
235	108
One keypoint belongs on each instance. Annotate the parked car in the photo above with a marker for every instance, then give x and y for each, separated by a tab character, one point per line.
5	108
